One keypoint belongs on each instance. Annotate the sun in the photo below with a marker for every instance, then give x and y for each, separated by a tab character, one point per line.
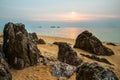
72	16
73	13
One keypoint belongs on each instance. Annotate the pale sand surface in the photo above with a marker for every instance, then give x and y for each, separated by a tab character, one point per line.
41	72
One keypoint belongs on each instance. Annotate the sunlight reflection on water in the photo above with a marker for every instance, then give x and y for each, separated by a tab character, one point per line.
61	32
104	34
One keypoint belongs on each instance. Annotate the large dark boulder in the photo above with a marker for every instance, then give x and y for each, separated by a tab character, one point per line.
90	43
94	71
67	54
18	46
4	69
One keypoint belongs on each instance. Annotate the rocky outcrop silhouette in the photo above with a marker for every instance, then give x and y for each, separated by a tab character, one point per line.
90	43
94	71
67	55
110	43
19	48
41	41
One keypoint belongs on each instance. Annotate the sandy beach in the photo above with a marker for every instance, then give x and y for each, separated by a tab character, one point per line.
42	72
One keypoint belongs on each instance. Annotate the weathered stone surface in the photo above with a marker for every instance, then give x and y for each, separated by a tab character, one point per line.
18	46
4	69
90	43
33	37
41	41
67	54
94	57
93	71
60	69
1	47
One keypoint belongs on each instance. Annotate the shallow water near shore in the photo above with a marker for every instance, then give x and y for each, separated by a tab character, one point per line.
107	34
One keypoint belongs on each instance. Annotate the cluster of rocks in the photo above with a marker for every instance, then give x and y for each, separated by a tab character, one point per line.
19	46
86	71
20	50
94	71
94	57
90	43
67	55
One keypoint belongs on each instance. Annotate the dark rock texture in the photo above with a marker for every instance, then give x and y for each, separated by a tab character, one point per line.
94	57
67	54
41	41
93	71
19	47
33	37
90	43
1	47
60	69
113	44
4	69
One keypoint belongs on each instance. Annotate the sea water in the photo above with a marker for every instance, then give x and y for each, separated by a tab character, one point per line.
106	34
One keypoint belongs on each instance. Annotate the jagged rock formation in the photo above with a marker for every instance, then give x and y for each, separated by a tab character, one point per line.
67	54
93	71
4	69
90	43
18	46
60	69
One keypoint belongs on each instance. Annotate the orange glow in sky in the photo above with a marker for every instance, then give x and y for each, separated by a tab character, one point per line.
74	16
70	16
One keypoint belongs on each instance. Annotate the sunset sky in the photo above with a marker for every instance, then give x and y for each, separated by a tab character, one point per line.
60	10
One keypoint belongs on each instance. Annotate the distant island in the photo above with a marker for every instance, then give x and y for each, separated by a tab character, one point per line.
54	26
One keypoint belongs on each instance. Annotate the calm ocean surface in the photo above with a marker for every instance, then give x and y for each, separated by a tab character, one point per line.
107	34
111	33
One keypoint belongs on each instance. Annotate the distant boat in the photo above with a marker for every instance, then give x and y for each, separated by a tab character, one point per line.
58	26
52	27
